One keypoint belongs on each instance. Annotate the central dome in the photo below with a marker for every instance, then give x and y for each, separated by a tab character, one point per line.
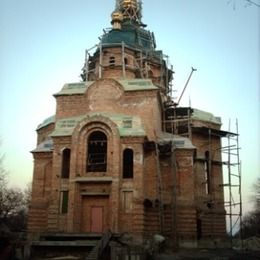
132	35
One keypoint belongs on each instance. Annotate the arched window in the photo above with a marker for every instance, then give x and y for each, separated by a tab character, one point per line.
97	152
65	169
128	164
126	61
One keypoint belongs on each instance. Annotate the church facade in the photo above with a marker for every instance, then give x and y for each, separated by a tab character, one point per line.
119	155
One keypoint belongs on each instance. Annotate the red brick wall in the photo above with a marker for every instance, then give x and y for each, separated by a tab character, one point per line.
107	95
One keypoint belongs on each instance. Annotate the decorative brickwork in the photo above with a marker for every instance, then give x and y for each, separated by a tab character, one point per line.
175	183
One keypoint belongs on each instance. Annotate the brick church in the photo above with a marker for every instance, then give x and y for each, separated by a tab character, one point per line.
120	155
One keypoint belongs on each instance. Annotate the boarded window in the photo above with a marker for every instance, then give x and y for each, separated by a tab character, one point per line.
65	170
97	152
64	202
128	164
207	172
127	201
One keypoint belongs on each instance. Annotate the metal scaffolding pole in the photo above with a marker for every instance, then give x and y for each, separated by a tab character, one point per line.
123	59
100	61
233	202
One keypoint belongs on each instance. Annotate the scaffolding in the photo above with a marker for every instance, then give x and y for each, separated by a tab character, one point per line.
142	61
179	121
232	185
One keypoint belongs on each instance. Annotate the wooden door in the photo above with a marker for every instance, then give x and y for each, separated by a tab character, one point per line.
96	219
94	214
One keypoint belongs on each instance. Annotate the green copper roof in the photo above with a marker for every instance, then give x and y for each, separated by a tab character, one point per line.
131	35
127	125
74	88
137	84
45	146
178	142
128	85
46	122
65	127
205	116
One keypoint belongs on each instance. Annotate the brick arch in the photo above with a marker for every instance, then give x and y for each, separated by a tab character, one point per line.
93	121
80	136
96	90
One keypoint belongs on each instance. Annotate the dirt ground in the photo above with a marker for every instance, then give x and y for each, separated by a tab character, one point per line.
205	254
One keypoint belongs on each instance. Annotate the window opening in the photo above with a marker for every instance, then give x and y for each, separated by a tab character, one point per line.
112	61
207	172
97	152
128	164
126	61
65	170
64	202
199	229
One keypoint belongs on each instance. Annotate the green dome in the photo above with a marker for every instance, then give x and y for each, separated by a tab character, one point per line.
131	35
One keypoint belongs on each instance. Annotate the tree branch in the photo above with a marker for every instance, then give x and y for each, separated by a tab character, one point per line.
253	3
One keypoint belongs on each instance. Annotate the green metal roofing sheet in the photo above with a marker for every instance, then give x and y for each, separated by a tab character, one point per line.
46	122
205	116
128	85
179	142
74	88
127	125
65	127
137	84
132	36
45	146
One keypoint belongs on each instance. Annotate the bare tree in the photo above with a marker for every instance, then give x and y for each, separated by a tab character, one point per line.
3	185
255	3
13	203
27	194
251	2
251	222
3	174
256	188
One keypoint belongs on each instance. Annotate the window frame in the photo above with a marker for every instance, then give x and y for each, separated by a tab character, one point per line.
97	161
65	164
128	164
64	202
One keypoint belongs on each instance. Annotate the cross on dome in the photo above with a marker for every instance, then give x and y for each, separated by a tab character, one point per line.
130	9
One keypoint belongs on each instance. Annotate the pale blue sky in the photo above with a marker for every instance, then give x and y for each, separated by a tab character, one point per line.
43	43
